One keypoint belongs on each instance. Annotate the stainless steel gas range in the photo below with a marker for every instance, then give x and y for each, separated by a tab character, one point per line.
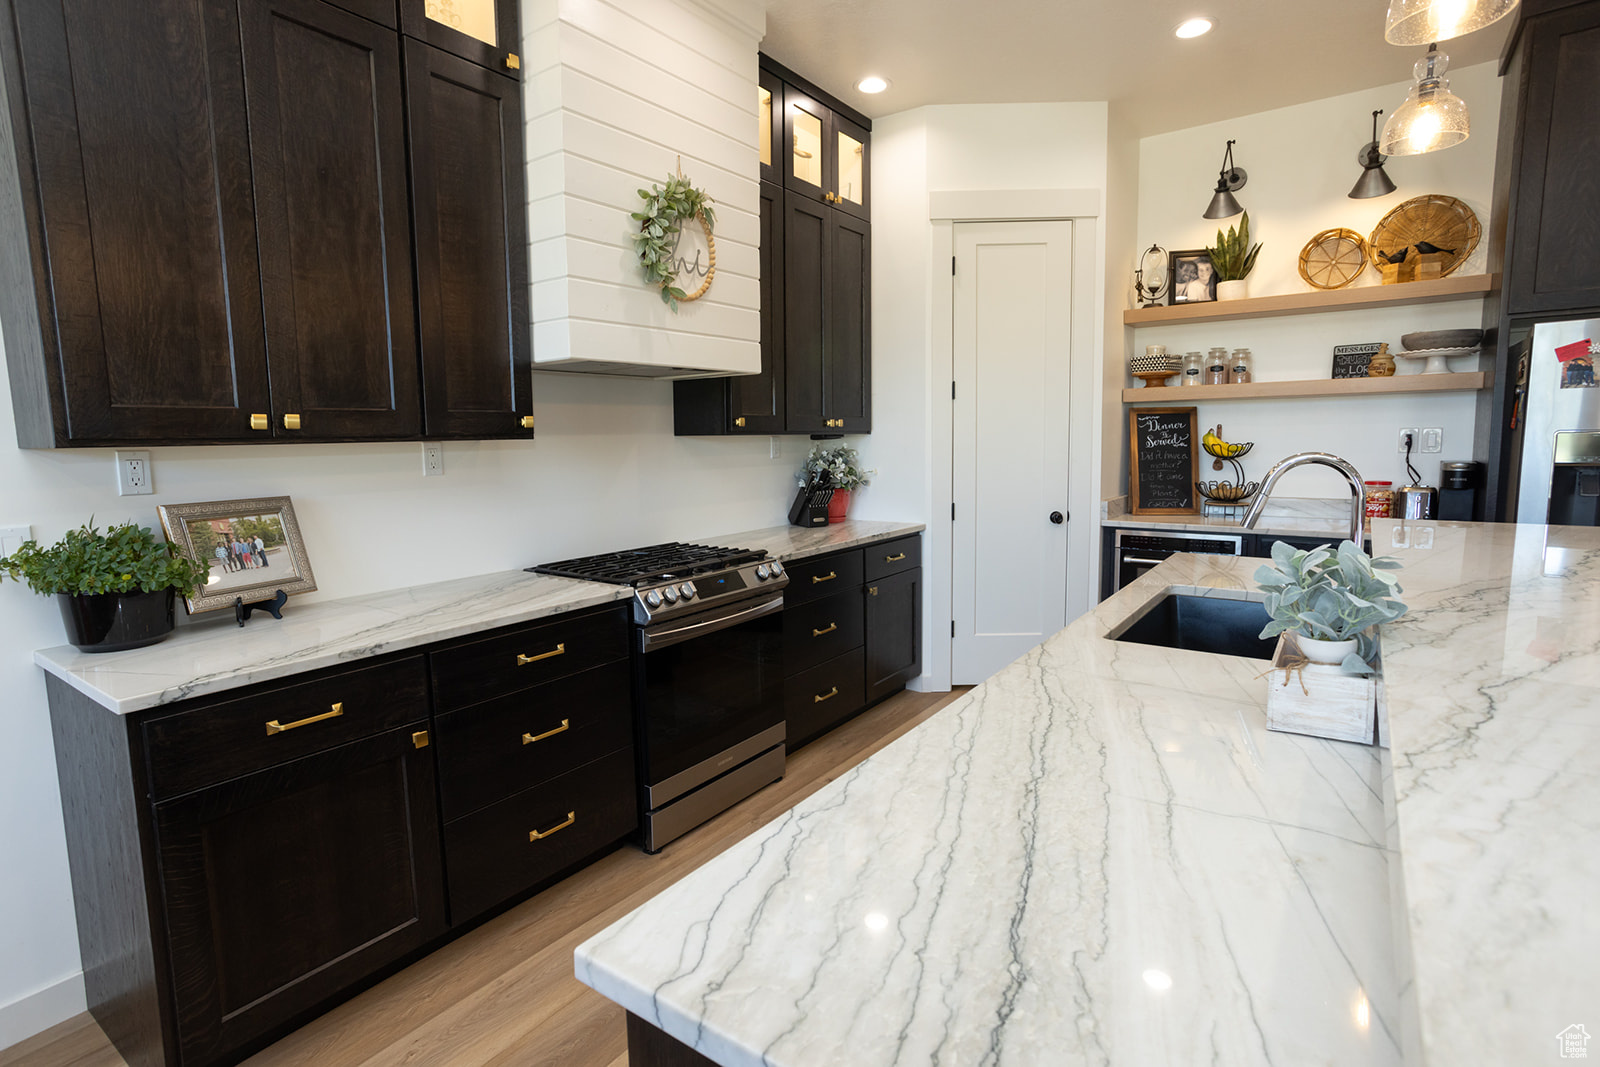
707	675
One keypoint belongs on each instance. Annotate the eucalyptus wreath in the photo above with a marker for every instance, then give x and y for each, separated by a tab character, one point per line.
665	210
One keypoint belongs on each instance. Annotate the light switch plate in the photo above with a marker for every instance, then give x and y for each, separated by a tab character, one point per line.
11	538
1432	439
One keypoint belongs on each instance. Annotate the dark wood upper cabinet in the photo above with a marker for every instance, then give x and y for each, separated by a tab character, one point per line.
847	362
827	320
472	264
1553	239
484	32
383	12
327	138
769	126
826	153
132	298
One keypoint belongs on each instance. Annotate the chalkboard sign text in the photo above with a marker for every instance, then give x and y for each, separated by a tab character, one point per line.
1351	361
1162	461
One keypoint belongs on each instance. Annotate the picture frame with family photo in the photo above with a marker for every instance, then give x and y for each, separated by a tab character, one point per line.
252	547
1194	277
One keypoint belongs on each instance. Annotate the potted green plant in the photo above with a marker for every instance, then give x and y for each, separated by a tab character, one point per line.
840	467
1233	256
115	589
1331	600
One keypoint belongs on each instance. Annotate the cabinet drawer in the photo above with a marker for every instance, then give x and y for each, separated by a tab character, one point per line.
821	630
822	576
892	557
490	856
508	744
530	656
816	700
220	741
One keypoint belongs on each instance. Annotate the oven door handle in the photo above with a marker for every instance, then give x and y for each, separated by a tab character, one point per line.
1136	559
662	638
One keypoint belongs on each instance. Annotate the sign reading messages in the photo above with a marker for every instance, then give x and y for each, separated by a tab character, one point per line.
1162	461
1351	361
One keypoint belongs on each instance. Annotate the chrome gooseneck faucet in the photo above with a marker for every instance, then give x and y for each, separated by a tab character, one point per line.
1358	491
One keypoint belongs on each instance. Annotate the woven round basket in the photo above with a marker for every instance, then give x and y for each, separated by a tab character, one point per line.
1441	221
1333	258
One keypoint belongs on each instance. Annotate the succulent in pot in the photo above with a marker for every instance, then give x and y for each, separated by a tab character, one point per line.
115	588
1234	257
1330	597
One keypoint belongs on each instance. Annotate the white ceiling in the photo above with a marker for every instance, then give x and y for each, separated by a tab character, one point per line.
1263	54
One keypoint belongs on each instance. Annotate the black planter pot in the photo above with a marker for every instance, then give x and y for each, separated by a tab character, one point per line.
111	622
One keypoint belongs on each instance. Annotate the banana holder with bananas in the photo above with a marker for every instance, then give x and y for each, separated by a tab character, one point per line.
1225	492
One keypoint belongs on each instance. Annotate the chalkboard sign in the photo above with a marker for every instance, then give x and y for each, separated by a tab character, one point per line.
1351	361
1162	461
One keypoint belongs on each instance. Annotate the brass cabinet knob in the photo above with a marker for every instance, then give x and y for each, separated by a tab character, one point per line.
512	62
527	422
259	422
739	422
291	422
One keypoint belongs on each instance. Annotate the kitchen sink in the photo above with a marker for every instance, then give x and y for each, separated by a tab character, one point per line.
1203	624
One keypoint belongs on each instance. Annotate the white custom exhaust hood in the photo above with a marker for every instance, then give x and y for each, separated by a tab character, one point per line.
616	94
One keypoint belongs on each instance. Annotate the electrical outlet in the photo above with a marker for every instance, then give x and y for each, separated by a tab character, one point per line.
432	458
133	474
1432	439
1416	439
11	538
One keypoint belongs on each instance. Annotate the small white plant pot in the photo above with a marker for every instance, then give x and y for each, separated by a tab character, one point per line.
1317	650
1234	290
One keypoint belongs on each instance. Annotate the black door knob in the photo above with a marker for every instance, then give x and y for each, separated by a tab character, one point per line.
1056	517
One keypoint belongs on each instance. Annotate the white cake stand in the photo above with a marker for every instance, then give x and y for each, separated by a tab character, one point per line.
1438	358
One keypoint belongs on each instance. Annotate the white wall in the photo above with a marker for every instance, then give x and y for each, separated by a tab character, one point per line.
1301	162
619	95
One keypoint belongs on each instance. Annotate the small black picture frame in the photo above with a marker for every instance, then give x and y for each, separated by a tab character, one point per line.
1186	269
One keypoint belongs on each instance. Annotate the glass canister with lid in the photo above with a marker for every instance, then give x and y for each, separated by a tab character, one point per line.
1193	368
1217	367
1239	367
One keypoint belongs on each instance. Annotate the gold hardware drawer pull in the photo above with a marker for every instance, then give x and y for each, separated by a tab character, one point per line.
529	739
826	696
276	727
536	835
830	576
895	558
832	626
559	650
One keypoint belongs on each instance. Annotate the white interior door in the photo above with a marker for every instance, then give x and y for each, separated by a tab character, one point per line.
1012	346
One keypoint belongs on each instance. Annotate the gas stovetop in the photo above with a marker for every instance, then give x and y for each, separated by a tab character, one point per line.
674	579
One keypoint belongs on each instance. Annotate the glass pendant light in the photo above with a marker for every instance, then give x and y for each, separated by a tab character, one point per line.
1425	21
1373	180
1432	117
1223	205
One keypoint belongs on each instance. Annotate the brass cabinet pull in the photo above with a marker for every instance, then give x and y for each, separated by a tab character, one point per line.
535	835
529	739
527	422
830	576
512	62
559	650
419	739
291	422
739	422
276	727
872	590
259	422
895	558
832	626
826	696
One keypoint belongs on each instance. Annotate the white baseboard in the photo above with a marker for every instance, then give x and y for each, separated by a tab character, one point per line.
42	1009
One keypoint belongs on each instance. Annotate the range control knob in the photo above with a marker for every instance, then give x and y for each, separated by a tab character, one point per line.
653	599
670	594
763	572
689	590
777	569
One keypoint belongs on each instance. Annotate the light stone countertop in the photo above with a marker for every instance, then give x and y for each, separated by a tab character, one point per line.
1285	517
214	655
1101	855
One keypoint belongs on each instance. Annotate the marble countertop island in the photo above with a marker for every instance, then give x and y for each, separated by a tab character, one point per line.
1101	855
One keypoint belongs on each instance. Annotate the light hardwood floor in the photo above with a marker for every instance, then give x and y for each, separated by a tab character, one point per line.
504	994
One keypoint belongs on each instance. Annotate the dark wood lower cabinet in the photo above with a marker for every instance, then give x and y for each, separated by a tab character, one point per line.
894	633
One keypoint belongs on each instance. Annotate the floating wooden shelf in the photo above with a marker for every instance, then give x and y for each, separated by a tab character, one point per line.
1400	383
1369	296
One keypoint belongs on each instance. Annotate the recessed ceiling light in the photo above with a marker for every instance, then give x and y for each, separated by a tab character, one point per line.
1194	27
872	84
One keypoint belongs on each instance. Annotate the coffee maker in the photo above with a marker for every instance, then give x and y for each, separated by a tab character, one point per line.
1458	491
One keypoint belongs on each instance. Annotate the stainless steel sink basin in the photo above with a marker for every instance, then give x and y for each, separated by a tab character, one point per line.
1203	624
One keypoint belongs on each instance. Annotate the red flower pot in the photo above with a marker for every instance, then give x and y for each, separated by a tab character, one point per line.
838	504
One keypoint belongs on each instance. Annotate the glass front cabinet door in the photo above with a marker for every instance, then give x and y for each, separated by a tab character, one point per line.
828	155
480	31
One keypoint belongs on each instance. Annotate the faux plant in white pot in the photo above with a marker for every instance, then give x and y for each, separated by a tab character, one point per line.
1331	600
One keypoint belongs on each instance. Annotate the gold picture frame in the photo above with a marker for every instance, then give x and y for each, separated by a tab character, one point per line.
253	548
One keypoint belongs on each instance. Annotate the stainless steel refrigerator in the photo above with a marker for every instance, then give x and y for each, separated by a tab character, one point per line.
1556	441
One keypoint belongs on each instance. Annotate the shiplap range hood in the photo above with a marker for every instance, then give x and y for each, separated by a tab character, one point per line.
616	94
